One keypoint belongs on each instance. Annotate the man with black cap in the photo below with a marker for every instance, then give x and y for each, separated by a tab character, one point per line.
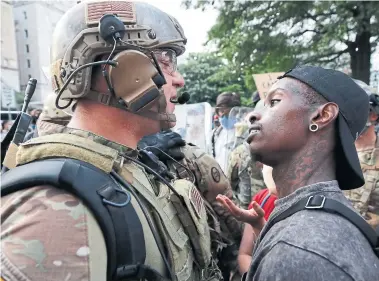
220	136
306	132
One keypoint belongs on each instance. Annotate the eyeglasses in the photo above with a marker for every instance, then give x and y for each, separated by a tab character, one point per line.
167	60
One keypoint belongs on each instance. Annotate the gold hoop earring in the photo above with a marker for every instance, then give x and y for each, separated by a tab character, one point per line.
313	127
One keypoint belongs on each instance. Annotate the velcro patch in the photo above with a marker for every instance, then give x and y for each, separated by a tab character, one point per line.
124	10
196	200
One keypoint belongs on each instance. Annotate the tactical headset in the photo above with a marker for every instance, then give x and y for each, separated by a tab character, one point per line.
134	89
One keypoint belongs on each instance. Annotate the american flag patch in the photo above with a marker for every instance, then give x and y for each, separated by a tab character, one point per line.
123	9
196	200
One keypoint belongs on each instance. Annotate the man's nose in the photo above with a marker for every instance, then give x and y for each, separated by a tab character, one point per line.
177	80
254	116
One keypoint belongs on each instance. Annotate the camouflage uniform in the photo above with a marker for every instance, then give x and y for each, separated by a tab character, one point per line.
366	198
80	252
226	231
245	176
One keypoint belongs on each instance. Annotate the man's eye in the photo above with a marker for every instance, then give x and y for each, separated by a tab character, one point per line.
273	102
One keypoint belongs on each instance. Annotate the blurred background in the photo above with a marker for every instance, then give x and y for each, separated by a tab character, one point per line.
228	43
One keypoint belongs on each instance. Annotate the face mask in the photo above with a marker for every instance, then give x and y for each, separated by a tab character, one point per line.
228	123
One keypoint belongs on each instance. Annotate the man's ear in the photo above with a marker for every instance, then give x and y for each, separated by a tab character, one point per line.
325	114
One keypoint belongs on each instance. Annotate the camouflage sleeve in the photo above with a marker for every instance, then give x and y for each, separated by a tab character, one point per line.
48	234
233	168
245	177
360	197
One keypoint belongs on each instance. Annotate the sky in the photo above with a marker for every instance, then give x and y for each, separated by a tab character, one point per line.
195	23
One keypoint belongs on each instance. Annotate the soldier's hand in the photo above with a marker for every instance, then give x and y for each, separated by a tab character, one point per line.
254	216
152	161
167	141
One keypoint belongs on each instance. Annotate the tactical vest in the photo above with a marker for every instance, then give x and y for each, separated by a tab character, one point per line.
199	167
187	263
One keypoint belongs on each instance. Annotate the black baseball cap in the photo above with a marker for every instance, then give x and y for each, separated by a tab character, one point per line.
353	102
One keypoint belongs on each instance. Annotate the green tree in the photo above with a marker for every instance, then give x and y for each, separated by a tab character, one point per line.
206	75
276	35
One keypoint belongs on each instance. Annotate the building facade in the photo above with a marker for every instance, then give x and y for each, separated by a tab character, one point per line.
35	22
10	81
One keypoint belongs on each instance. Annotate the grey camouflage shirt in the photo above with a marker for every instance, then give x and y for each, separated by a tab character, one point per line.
313	245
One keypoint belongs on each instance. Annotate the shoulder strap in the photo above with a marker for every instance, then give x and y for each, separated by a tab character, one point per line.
119	222
320	202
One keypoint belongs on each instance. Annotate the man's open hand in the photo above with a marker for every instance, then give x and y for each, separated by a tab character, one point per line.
254	216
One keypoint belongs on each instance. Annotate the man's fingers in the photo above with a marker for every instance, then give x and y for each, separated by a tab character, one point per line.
221	200
259	211
236	211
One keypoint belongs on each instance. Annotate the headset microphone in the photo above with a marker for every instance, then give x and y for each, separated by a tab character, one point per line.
184	98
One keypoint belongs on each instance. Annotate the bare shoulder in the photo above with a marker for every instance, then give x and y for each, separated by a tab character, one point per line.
46	234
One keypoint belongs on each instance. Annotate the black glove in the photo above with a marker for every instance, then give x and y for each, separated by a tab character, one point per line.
166	141
152	161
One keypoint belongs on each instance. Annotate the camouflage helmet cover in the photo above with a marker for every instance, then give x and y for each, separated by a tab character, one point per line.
77	41
51	113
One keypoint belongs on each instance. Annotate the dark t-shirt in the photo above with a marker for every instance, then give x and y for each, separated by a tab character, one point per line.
313	245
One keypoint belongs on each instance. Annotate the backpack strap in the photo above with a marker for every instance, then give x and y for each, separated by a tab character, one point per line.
320	202
119	222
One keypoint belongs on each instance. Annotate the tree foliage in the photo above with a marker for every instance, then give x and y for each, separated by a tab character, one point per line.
276	35
207	75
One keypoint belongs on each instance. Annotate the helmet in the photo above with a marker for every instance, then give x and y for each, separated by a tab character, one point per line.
52	114
134	31
228	99
373	95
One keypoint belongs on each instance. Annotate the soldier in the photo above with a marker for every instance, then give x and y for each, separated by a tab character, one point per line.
244	173
189	162
47	232
366	198
220	136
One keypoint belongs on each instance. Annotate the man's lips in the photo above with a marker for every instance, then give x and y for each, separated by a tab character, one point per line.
255	127
253	130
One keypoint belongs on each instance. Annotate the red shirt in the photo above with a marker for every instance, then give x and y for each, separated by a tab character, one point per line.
268	200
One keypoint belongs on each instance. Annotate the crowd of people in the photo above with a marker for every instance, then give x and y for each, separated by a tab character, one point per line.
104	189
